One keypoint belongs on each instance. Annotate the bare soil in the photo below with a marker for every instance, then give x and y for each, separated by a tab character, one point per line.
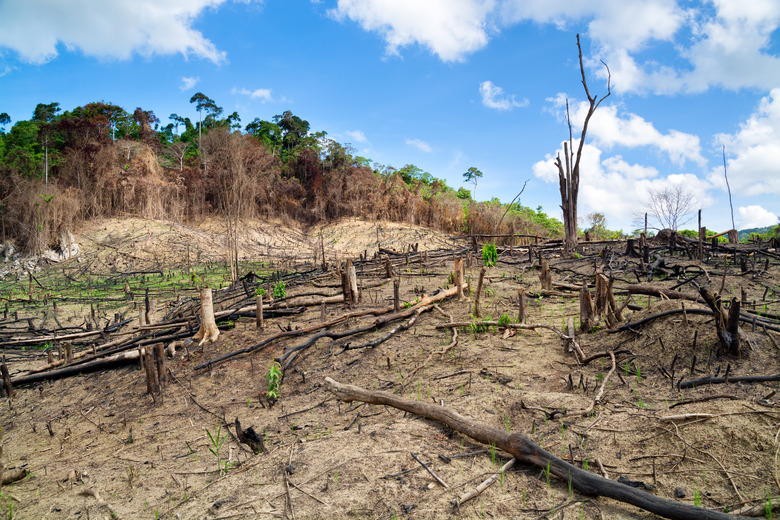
98	446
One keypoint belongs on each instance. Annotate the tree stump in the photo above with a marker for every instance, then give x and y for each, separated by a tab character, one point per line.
545	277
208	331
9	389
259	312
587	318
479	291
521	308
459	277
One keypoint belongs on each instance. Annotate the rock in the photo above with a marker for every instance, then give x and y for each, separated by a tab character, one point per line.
8	252
68	246
679	492
51	256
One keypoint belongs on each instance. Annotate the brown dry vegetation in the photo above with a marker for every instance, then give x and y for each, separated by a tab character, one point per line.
238	178
332	460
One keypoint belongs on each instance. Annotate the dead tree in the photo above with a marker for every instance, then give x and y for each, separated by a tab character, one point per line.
569	172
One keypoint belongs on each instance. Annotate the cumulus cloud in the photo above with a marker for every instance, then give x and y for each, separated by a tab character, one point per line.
420	145
451	29
493	96
609	129
357	135
724	43
115	29
756	217
263	94
616	188
753	151
188	82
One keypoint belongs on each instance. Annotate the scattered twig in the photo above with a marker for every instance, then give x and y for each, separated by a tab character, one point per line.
484	485
429	470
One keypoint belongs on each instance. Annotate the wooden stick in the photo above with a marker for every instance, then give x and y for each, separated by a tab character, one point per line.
484	485
429	470
479	291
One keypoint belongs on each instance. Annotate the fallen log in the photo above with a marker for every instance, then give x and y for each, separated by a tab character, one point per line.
121	359
651	290
709	380
526	451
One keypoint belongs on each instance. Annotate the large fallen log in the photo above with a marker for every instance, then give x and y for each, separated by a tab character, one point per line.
121	359
526	451
651	290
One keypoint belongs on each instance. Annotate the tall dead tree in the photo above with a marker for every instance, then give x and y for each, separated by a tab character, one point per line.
569	171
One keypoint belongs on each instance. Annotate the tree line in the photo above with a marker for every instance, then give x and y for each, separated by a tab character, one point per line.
60	168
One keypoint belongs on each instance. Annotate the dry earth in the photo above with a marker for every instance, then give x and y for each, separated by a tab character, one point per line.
97	446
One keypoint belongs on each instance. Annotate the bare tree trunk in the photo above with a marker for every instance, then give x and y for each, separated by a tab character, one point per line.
569	173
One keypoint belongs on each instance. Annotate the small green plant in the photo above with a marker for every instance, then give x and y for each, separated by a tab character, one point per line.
493	453
217	441
547	473
336	478
697	497
274	378
280	290
489	254
259	291
507	424
504	320
768	505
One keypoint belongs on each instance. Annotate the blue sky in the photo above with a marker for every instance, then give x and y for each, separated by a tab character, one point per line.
446	85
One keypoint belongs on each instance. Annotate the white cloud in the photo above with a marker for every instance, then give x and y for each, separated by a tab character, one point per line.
450	29
755	217
616	188
752	152
109	29
703	43
493	96
420	145
188	82
608	129
357	135
263	94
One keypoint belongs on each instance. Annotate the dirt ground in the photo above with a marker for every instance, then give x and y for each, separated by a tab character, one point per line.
98	446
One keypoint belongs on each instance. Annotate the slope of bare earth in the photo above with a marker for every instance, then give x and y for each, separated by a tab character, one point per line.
98	446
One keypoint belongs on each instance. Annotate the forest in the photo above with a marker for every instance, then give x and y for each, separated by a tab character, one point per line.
60	168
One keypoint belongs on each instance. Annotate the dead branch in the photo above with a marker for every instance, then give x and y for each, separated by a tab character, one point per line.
438	352
426	303
484	485
526	451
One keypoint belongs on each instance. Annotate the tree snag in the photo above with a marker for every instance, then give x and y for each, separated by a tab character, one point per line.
569	173
208	331
545	277
527	452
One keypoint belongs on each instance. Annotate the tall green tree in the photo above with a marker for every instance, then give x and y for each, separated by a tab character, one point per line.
5	119
45	113
473	175
203	103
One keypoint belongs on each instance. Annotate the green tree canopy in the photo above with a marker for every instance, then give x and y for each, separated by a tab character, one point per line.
472	175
